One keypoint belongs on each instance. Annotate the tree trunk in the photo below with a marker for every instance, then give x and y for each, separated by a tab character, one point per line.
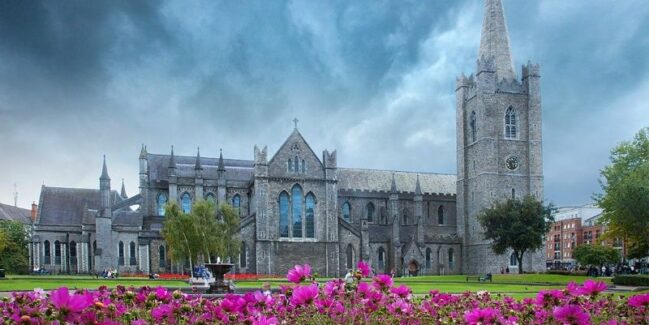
520	262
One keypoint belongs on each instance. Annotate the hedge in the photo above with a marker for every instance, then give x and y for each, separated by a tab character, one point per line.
632	280
566	272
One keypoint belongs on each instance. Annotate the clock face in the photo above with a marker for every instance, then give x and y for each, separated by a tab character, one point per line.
512	163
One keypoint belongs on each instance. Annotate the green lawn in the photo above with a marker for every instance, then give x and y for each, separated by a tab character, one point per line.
16	283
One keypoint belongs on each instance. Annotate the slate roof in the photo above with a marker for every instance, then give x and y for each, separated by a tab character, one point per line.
235	169
127	218
10	212
380	180
62	206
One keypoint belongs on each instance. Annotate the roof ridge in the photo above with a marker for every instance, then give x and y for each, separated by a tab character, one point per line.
397	171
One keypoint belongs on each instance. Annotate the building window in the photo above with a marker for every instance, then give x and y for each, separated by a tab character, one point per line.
303	166
290	165
296	165
120	256
440	215
163	256
451	259
162	201
346	211
429	252
511	131
381	254
236	204
310	216
473	126
512	260
73	252
243	256
370	212
47	252
57	253
186	201
133	260
350	256
296	199
283	214
210	198
513	194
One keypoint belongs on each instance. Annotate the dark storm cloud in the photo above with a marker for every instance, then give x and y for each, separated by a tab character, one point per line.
373	79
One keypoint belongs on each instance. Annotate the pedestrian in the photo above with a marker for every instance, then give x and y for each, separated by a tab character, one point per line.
507	270
502	270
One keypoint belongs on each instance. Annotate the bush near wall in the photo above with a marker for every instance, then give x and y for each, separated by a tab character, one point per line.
566	272
632	280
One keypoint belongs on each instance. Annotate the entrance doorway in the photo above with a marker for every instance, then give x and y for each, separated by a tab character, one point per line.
413	268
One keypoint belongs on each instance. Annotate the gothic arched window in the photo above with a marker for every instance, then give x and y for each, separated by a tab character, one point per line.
512	260
349	254
162	256
451	259
210	198
57	252
381	254
162	200
290	165
186	201
346	212
303	166
296	165
120	252
296	199
283	214
429	254
511	124
440	215
473	125
133	260
243	256
309	225
370	212
47	252
236	204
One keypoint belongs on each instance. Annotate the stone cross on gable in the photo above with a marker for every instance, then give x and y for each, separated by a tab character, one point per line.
295	120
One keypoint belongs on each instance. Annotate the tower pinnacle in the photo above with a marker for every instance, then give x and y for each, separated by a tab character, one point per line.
104	171
494	42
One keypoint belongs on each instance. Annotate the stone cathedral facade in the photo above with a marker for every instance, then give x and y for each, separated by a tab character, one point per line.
297	206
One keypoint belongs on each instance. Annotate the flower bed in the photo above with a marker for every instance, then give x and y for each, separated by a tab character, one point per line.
338	301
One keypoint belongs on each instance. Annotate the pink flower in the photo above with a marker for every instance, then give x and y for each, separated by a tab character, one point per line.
549	297
304	294
403	291
63	301
364	268
571	314
382	281
299	273
481	316
639	301
263	320
592	287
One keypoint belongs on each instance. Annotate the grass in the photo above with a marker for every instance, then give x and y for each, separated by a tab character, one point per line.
518	286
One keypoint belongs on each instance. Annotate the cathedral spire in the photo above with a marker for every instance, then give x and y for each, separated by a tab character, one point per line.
221	164
104	171
172	159
123	192
143	152
494	42
417	187
393	186
198	165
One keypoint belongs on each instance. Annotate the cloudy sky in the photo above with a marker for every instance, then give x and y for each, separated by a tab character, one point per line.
372	79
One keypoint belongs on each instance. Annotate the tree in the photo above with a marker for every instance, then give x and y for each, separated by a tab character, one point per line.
515	224
200	233
14	256
596	255
625	197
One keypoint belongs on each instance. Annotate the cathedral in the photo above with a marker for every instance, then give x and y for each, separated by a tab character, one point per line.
297	206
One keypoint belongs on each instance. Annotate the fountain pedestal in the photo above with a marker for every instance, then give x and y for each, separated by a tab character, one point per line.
218	272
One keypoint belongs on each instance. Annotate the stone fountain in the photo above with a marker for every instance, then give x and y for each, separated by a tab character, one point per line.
220	285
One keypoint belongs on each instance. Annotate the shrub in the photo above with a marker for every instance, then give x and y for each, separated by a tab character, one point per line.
566	272
632	280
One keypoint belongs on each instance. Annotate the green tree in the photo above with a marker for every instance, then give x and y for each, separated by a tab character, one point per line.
228	245
625	197
14	256
596	255
179	231
207	227
515	224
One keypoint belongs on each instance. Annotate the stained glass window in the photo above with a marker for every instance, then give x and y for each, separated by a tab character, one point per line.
283	214
310	216
186	202
296	197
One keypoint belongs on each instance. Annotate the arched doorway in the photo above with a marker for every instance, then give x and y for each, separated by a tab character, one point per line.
413	268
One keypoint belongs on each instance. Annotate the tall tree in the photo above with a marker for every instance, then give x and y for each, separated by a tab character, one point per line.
515	224
625	197
596	255
179	231
229	243
204	215
14	256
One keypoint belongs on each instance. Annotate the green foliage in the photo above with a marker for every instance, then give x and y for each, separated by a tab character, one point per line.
200	233
515	224
14	257
596	255
625	198
632	280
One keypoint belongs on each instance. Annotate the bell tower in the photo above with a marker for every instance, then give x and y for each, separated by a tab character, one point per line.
499	152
